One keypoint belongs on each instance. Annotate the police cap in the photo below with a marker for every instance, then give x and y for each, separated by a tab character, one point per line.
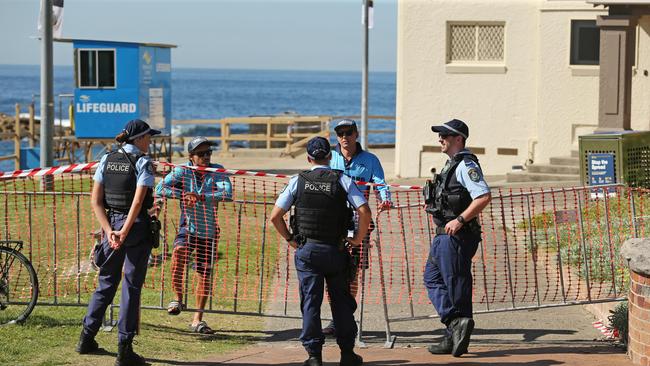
453	127
318	148
137	127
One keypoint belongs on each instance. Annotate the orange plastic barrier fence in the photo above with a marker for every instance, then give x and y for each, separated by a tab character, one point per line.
540	247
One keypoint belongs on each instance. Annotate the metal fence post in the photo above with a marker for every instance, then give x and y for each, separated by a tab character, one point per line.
609	239
533	247
559	250
260	293
406	259
390	339
77	199
505	239
584	246
238	243
635	224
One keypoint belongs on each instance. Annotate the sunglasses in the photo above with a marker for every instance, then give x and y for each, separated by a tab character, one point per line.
344	133
446	135
203	154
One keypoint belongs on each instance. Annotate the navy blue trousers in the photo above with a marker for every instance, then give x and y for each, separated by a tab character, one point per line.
448	276
315	264
131	259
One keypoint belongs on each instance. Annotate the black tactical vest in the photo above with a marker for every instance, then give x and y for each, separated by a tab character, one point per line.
321	206
120	182
451	198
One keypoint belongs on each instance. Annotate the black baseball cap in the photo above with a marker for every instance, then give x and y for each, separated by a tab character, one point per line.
196	142
318	148
453	127
137	127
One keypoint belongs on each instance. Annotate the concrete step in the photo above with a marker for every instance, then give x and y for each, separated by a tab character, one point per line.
565	160
554	169
541	177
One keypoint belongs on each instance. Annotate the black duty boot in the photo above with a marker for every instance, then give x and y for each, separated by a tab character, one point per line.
126	356
313	361
350	359
443	348
461	331
87	344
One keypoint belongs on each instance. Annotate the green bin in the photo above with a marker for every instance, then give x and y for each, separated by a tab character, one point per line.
615	157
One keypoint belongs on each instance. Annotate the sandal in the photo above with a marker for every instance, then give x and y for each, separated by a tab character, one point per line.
201	328
175	307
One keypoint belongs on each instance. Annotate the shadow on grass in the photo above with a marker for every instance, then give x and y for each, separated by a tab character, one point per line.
44	321
220	335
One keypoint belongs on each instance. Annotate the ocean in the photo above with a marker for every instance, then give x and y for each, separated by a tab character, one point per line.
219	93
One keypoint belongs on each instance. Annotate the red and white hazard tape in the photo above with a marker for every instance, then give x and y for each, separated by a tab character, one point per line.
72	168
609	333
75	168
264	174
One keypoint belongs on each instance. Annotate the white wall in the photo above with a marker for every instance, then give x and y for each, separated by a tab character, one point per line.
641	81
540	98
499	108
567	95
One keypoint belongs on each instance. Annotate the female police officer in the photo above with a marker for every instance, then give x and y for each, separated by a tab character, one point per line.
121	195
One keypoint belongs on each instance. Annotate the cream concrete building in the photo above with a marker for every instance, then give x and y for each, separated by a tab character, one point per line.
524	75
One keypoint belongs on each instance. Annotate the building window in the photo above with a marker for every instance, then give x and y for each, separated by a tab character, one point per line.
585	42
481	42
96	68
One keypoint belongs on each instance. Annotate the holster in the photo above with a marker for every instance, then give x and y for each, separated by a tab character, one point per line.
154	228
354	258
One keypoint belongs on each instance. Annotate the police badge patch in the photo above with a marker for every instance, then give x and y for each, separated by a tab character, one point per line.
474	175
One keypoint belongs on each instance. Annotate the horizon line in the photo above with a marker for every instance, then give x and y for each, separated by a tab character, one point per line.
229	68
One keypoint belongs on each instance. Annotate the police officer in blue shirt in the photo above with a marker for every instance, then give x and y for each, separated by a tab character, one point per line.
319	228
360	165
120	198
454	198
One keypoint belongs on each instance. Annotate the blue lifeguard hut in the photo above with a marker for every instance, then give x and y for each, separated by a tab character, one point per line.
119	81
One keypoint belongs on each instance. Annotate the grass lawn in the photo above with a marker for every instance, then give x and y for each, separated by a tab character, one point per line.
51	334
55	229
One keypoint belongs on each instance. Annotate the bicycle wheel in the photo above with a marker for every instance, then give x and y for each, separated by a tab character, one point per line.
18	287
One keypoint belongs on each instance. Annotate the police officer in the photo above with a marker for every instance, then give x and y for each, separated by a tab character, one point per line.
360	165
120	198
319	228
454	199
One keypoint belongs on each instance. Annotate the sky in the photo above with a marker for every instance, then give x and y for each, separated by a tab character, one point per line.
225	34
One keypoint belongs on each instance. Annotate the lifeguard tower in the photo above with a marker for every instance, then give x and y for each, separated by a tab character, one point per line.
119	81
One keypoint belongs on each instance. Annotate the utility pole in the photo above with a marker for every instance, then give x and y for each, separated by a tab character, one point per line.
47	90
363	133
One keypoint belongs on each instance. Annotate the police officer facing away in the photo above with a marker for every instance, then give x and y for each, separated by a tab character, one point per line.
319	229
360	165
120	198
454	198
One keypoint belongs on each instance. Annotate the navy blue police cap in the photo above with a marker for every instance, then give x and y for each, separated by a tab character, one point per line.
198	141
453	127
318	148
137	127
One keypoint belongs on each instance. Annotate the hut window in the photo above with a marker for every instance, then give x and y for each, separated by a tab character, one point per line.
585	42
96	68
480	42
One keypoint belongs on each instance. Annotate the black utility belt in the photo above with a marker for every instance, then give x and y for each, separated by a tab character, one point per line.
440	230
332	242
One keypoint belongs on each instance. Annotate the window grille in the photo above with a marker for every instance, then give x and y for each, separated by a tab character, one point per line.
475	42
